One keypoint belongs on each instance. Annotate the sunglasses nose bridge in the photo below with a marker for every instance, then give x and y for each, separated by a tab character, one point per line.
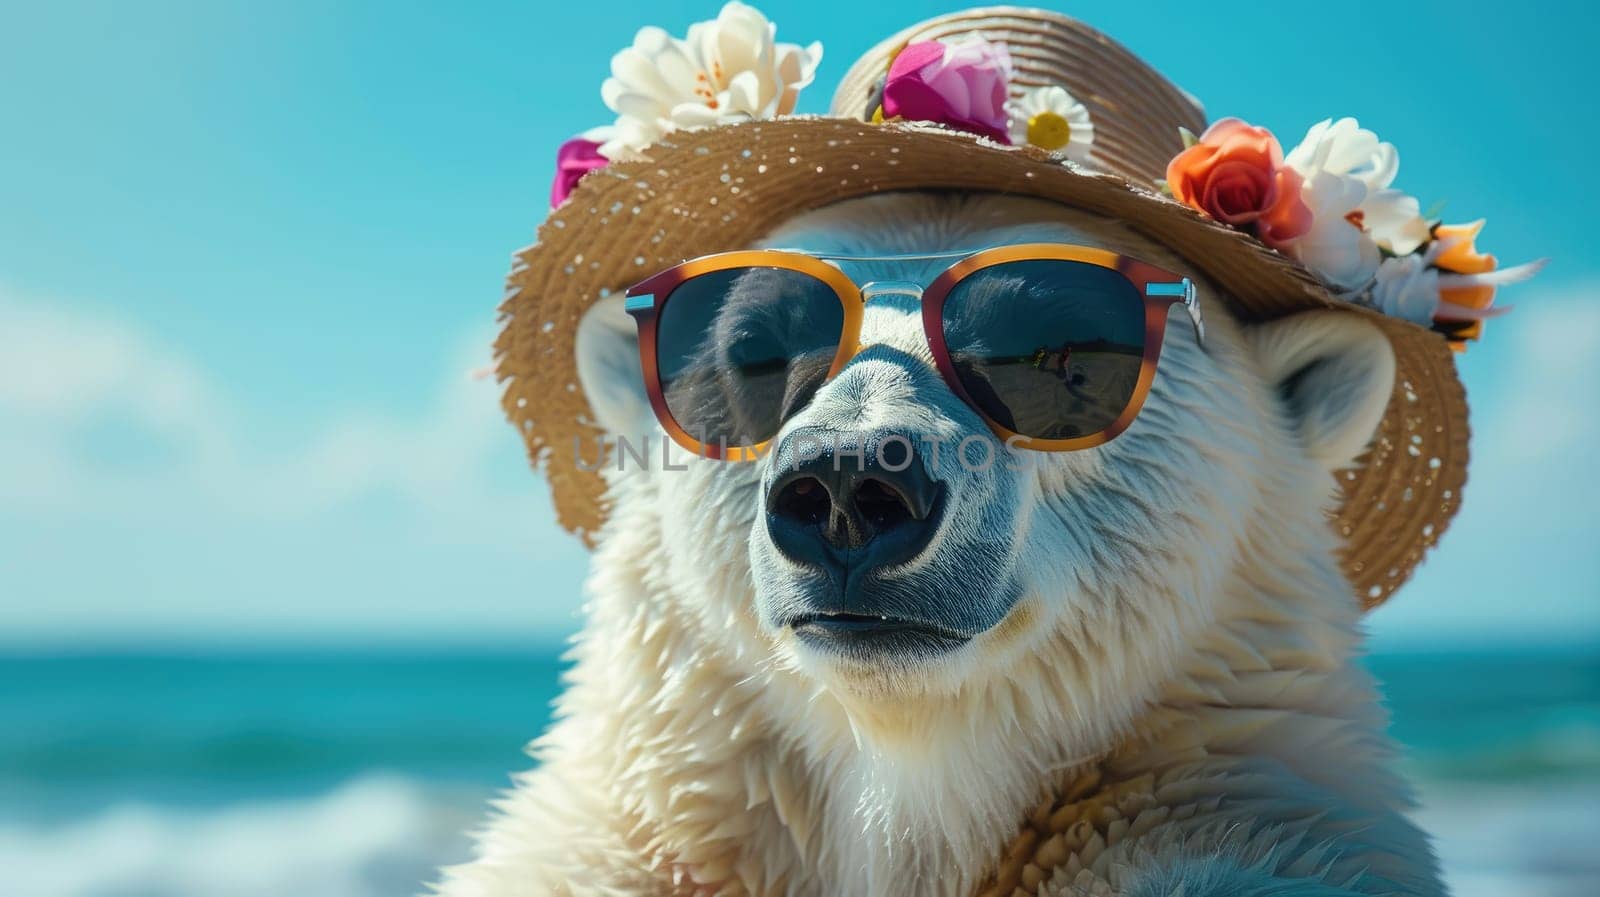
904	301
876	288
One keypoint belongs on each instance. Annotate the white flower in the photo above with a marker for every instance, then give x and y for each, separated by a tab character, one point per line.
1407	287
1051	119
1395	221
727	70
1336	249
1346	149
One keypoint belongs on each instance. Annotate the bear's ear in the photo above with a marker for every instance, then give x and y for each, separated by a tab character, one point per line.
608	366
1335	372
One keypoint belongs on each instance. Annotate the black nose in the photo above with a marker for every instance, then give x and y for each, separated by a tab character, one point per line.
851	502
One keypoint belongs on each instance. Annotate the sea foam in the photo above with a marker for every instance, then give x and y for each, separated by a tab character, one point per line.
374	836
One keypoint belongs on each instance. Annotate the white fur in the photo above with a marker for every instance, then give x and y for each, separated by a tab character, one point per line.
1182	615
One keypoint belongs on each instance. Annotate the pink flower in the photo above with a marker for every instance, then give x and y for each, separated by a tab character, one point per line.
576	158
961	85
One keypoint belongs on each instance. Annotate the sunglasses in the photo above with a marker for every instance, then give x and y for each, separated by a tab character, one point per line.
1054	346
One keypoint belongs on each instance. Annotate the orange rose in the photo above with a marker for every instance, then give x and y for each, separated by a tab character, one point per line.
1235	174
1462	257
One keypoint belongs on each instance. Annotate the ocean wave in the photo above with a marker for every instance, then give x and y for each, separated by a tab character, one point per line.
384	836
1527	840
371	836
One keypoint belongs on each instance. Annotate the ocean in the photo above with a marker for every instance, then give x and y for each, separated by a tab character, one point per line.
354	773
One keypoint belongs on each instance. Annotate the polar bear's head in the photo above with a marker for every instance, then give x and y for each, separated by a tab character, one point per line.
977	568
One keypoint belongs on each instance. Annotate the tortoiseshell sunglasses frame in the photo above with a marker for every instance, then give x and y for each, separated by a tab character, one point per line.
1160	290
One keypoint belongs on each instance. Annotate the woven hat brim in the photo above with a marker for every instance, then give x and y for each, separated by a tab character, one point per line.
724	188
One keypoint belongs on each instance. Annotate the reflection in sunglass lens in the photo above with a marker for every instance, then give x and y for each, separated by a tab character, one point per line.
1049	349
740	350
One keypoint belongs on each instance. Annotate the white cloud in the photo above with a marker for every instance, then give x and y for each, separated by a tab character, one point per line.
1553	383
65	373
58	363
59	370
134	495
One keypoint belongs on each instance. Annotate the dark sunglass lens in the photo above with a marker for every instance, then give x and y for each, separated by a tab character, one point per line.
740	350
1049	349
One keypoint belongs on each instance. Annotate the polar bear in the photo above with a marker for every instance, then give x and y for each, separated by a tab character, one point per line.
1148	644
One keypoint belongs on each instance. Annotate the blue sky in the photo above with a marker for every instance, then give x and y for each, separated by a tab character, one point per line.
249	251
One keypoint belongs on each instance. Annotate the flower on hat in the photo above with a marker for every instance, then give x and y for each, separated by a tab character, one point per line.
1459	255
1335	247
1406	287
1329	205
576	158
1449	283
1051	119
1468	279
726	70
1236	174
962	85
1344	149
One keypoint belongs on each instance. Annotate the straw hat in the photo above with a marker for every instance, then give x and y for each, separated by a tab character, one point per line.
681	191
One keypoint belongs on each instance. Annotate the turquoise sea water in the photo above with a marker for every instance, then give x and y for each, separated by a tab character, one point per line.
350	773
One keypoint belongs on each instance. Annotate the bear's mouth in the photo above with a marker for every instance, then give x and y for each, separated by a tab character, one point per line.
857	633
